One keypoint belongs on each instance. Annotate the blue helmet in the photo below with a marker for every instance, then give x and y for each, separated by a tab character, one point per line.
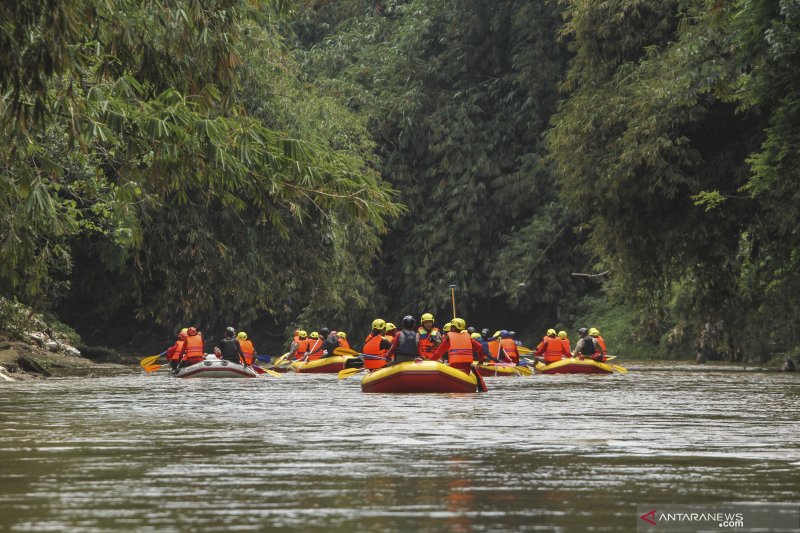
504	333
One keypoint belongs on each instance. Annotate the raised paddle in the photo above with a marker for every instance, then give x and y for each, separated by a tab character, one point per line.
149	361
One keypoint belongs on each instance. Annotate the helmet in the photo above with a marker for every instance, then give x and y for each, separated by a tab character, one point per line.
496	334
183	335
485	333
324	332
470	330
447	327
229	331
512	334
314	335
191	331
302	334
504	333
409	322
594	332
562	334
342	335
582	332
427	317
459	324
390	326
476	336
378	323
184	330
242	336
551	332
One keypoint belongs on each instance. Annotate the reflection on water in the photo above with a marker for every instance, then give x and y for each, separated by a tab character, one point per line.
308	452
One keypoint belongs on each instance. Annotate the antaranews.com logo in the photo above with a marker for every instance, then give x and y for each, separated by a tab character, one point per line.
727	517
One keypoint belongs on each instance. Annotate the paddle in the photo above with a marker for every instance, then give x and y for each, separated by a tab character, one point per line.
620	369
524	351
347	372
262	370
149	361
152	368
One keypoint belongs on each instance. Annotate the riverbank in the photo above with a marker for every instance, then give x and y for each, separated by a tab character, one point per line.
20	361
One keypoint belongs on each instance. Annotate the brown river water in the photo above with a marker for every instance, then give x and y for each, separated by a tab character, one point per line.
310	453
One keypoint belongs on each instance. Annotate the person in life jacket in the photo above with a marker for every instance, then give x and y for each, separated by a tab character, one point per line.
330	343
586	347
485	340
507	349
391	330
314	351
513	335
405	345
599	341
192	351
562	335
173	352
300	346
429	336
229	347
247	348
551	348
458	349
376	344
343	342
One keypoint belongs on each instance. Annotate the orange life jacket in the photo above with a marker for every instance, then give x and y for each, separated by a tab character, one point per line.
194	348
601	344
302	348
426	346
315	349
248	350
460	351
344	344
567	347
553	349
175	351
372	346
494	348
510	349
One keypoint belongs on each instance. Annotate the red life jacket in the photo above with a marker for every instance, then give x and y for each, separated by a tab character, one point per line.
315	349
600	343
426	345
194	349
460	352
509	348
372	346
248	350
302	348
553	349
175	351
494	348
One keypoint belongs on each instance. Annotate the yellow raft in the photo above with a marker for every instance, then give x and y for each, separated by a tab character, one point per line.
574	366
419	376
502	370
327	365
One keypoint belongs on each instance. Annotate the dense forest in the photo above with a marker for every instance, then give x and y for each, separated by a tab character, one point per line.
305	161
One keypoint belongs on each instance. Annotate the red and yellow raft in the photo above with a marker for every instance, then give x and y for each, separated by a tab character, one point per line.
574	366
419	376
492	369
327	365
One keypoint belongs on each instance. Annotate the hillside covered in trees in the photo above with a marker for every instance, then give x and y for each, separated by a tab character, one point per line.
306	161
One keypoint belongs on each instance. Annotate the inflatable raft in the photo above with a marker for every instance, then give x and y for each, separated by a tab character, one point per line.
216	368
574	366
327	365
419	376
502	370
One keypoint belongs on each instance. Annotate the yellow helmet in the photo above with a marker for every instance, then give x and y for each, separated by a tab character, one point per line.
594	332
426	317
314	335
184	330
562	334
476	336
378	323
342	335
242	336
447	327
302	334
496	334
390	326
459	324
551	332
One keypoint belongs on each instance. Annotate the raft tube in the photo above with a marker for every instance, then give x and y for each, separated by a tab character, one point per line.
419	376
574	366
327	365
501	370
216	368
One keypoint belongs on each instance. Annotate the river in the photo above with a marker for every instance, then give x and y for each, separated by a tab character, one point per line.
310	453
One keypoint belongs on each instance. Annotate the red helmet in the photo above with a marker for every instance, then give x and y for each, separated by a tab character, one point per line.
182	336
192	331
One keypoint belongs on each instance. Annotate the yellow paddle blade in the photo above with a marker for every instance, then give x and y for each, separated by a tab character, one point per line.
620	369
344	351
523	370
271	373
149	361
540	366
152	368
610	358
523	350
347	372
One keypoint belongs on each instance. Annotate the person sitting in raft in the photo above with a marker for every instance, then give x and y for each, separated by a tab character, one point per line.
247	349
429	336
507	349
314	347
405	345
457	348
376	344
513	335
562	335
599	341
229	347
391	330
192	351
330	343
173	352
343	342
486	343
300	346
586	347
551	348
